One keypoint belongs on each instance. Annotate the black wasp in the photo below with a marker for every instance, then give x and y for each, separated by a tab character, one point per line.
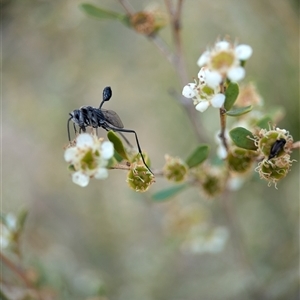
88	116
277	147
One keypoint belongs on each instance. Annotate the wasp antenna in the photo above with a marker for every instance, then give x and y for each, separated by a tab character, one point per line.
107	93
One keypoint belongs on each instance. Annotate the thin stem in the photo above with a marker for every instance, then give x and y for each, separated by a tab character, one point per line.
179	64
16	269
175	16
223	121
296	145
223	128
162	47
120	167
128	8
176	60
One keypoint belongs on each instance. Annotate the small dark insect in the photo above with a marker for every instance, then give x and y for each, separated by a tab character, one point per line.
277	147
88	116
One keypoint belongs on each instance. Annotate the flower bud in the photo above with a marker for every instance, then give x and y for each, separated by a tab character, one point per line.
211	179
139	177
275	146
175	169
240	160
148	22
274	171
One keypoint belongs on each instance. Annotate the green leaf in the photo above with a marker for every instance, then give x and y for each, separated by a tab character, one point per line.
264	123
100	13
168	193
117	156
242	138
118	145
231	95
22	216
198	156
239	111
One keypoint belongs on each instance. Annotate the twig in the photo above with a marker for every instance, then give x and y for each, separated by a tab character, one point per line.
15	269
223	121
128	8
176	60
175	17
296	145
162	47
223	128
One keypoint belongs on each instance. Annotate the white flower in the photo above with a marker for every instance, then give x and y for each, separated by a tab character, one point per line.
88	158
226	59
206	92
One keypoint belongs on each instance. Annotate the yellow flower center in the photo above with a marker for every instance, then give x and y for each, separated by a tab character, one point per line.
222	60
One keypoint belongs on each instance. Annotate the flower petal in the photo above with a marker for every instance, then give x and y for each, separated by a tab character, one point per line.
243	52
218	100
236	74
189	91
107	150
70	154
202	106
222	45
203	58
80	179
84	140
101	173
213	79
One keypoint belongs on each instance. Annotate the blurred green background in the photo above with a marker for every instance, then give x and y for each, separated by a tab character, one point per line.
56	59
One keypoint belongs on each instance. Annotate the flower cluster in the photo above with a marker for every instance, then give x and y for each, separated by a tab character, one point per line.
224	62
88	158
204	93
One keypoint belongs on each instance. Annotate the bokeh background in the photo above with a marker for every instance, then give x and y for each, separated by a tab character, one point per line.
106	239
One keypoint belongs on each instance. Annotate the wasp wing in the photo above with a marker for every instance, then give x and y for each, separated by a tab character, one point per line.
112	118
